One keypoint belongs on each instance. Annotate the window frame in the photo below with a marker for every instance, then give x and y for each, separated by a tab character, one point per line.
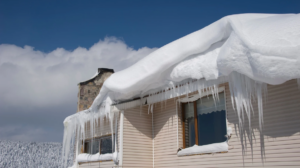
88	141
206	93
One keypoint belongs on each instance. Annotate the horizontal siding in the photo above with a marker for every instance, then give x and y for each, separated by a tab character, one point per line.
281	134
137	138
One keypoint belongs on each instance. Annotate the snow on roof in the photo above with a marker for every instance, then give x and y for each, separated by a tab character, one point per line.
94	76
264	47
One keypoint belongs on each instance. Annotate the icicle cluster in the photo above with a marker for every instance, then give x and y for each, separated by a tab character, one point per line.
75	127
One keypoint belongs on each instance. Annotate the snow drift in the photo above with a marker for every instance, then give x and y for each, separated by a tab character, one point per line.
249	51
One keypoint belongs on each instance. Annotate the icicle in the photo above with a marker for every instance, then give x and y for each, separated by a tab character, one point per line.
149	108
141	104
111	121
213	95
152	139
187	89
115	154
177	118
242	90
152	108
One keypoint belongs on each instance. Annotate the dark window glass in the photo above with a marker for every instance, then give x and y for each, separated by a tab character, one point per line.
86	147
211	120
106	145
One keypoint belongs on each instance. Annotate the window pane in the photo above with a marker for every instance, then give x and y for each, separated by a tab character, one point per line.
106	145
189	124
92	149
211	120
86	147
95	147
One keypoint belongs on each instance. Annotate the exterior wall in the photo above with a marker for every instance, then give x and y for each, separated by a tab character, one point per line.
137	138
279	146
87	91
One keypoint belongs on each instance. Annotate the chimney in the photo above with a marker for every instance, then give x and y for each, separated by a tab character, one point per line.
105	70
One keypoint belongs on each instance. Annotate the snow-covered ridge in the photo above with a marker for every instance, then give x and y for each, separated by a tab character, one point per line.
248	50
32	154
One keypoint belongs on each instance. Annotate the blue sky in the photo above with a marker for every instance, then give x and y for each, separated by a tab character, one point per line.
47	47
46	25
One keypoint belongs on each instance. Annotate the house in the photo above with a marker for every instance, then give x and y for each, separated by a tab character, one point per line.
213	98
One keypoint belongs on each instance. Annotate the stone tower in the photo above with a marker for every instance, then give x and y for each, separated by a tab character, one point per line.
88	90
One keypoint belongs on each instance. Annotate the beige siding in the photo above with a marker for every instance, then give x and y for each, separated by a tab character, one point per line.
280	141
137	138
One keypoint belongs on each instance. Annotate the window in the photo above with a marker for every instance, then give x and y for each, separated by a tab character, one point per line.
102	144
204	121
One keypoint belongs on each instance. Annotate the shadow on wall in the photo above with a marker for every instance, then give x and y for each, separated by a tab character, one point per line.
164	115
165	118
281	109
140	120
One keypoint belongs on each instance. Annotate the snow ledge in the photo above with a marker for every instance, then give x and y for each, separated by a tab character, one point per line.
84	157
211	148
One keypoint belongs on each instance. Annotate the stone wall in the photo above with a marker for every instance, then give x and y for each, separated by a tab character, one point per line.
87	91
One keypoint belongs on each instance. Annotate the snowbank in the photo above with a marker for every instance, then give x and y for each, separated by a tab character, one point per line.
82	158
211	148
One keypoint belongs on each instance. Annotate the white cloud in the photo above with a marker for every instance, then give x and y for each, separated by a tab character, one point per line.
34	79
